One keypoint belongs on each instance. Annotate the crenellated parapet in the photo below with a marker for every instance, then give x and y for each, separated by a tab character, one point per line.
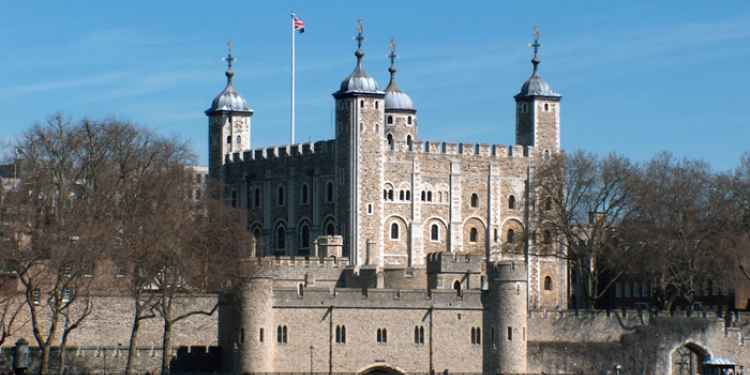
272	153
469	149
445	262
376	298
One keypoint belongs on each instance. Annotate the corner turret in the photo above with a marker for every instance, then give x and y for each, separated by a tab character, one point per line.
229	125
400	113
507	318
538	110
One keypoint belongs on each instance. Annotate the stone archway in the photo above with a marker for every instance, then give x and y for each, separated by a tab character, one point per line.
687	359
381	370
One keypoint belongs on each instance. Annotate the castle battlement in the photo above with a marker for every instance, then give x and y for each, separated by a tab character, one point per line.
280	262
640	315
508	271
441	262
471	149
282	152
376	298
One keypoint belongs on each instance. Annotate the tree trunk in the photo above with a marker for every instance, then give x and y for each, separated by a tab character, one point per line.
61	368
133	342
44	363
166	347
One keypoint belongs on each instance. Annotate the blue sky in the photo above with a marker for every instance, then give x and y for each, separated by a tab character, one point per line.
637	77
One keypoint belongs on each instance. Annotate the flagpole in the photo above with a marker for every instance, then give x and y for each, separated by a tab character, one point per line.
293	83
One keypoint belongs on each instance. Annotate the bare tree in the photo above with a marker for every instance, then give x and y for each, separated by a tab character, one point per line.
195	253
582	202
60	225
681	218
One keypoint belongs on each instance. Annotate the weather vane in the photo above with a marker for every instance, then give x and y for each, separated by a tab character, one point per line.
536	44
392	50
360	31
229	59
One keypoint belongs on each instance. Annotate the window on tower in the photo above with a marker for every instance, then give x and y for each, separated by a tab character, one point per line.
390	120
239	139
394	231
434	232
229	139
473	234
511	202
474	200
408	120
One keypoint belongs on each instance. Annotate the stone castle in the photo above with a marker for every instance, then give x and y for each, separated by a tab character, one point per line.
377	252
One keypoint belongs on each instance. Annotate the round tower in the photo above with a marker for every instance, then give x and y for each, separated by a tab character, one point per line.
508	317
400	114
228	123
257	331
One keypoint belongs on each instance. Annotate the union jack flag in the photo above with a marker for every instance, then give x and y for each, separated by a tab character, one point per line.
298	24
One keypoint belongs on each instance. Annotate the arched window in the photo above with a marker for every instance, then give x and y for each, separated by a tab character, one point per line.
377	104
280	238
394	231
260	335
341	334
408	195
239	139
257	197
419	335
389	137
305	236
408	120
280	196
546	107
547	236
401	195
300	290
429	196
474	200
281	334
434	232
424	195
390	119
390	195
511	202
330	229
257	248
382	336
329	192
305	194
229	139
408	142
361	104
457	287
547	283
473	234
509	237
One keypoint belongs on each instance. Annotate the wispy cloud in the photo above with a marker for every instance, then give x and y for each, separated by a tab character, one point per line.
41	87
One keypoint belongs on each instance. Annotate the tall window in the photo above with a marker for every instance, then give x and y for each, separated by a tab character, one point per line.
257	197
394	231
434	232
280	238
260	335
476	336
408	195
509	237
473	234
408	142
419	335
389	137
305	236
305	194
281	334
547	283
239	139
429	196
401	195
229	139
457	287
408	120
382	336
280	196
510	333
390	119
511	202
474	200
329	192
341	334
